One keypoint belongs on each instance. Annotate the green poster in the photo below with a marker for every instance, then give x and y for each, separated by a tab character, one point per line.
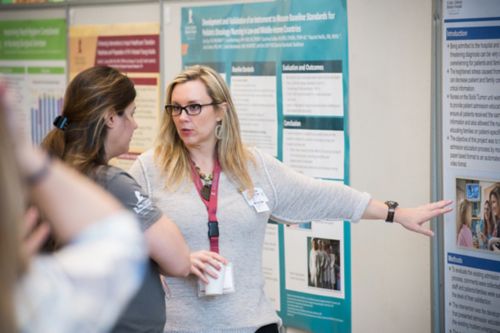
33	40
33	64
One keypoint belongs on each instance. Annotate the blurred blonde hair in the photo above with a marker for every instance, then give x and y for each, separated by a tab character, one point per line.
12	204
464	213
170	152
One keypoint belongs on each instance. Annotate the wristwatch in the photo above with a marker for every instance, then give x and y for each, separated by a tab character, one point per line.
390	213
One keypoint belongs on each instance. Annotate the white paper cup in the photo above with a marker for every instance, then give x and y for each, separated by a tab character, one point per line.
216	286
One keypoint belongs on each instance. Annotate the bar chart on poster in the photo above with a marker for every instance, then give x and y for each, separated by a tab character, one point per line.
33	64
46	87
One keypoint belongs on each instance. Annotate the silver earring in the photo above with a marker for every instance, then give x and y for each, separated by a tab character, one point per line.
218	130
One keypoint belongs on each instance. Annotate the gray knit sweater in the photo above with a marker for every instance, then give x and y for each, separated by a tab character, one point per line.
293	198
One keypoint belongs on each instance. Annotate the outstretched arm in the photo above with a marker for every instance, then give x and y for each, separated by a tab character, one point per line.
410	218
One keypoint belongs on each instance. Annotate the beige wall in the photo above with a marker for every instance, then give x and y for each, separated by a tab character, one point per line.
390	109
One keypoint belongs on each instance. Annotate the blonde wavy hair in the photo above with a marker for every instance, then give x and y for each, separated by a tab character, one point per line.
464	213
172	155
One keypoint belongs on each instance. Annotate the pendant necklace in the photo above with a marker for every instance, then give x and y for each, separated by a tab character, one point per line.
206	179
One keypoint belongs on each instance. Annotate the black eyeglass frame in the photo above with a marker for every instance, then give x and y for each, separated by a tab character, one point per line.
197	106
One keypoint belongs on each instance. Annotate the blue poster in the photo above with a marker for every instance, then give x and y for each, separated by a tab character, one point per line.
286	63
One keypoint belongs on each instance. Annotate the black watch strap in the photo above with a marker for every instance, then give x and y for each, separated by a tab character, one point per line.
392	205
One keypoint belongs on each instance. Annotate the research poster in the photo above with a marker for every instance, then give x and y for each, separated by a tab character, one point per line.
471	164
134	50
286	65
33	64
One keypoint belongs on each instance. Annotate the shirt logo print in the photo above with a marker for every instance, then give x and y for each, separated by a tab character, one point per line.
142	204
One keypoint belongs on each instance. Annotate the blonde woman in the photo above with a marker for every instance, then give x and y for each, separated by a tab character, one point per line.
222	193
464	237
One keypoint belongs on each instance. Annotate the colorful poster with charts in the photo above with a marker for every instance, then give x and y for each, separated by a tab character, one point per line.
33	63
286	64
135	54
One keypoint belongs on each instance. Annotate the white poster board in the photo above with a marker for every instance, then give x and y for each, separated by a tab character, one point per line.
471	164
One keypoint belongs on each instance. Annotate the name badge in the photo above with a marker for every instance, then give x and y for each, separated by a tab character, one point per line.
258	201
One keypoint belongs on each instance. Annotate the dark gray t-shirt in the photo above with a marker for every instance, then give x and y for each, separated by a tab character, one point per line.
146	311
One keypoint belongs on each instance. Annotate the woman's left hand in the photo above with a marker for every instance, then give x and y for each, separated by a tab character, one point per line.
413	218
205	263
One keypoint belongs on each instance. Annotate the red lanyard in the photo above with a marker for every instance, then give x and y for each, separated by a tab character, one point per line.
211	204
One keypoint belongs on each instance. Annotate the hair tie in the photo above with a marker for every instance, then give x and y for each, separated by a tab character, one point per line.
61	122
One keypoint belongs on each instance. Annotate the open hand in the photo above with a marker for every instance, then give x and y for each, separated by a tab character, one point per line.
413	218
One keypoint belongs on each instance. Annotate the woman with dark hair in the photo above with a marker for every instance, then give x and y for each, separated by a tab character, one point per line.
73	289
97	124
487	225
494	241
495	209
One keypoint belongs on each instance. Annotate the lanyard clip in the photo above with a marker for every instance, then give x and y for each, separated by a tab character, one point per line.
213	229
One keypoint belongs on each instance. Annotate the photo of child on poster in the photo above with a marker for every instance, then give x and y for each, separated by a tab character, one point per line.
323	263
478	214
